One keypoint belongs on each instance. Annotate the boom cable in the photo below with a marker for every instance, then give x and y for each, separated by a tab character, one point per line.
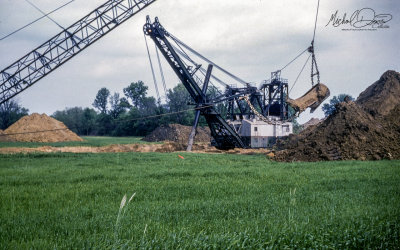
34	21
152	69
315	24
161	72
46	15
294	59
209	61
301	71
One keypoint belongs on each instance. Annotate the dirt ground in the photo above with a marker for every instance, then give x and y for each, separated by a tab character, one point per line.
367	129
166	147
39	128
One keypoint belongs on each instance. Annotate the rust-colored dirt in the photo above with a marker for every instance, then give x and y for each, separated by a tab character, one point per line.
368	129
39	128
166	147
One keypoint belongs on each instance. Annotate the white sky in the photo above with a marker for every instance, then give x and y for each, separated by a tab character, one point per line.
248	38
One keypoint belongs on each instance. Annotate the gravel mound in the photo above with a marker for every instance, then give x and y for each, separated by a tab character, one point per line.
39	128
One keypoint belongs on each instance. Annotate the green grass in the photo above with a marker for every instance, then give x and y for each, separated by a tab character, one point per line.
203	201
94	141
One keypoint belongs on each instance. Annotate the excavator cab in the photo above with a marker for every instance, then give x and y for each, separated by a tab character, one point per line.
312	99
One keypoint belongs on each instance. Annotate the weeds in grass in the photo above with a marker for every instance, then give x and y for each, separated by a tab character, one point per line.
121	213
292	204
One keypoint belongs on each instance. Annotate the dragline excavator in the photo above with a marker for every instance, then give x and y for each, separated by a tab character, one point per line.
255	117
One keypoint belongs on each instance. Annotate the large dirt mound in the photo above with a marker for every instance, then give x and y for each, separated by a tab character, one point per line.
382	96
39	128
311	122
178	133
357	130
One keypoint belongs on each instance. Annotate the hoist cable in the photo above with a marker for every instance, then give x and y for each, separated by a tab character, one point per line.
185	55
201	69
207	60
311	49
181	52
161	72
204	72
301	71
315	25
294	59
152	69
34	21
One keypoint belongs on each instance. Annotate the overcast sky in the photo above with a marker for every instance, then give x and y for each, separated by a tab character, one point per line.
248	38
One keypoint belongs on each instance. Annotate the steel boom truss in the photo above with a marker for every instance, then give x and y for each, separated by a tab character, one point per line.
52	54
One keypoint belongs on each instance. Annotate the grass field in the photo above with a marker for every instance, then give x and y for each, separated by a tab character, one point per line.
94	141
202	201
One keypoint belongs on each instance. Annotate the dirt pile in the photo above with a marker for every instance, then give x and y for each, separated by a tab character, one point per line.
311	122
382	96
39	128
357	130
178	133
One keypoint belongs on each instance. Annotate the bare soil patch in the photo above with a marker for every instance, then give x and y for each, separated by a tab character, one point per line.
166	147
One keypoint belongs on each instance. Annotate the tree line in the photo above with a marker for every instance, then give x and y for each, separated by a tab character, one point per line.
132	114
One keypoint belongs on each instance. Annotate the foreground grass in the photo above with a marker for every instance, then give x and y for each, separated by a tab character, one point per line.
202	201
93	141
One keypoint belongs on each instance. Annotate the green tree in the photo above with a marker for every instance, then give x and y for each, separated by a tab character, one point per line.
100	102
178	99
136	92
148	106
10	112
81	121
329	108
118	105
89	121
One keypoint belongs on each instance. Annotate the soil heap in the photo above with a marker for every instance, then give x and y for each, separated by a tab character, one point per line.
178	133
27	129
368	129
383	96
311	122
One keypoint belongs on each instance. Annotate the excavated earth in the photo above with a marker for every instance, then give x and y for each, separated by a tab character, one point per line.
311	122
367	129
38	128
178	133
166	147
